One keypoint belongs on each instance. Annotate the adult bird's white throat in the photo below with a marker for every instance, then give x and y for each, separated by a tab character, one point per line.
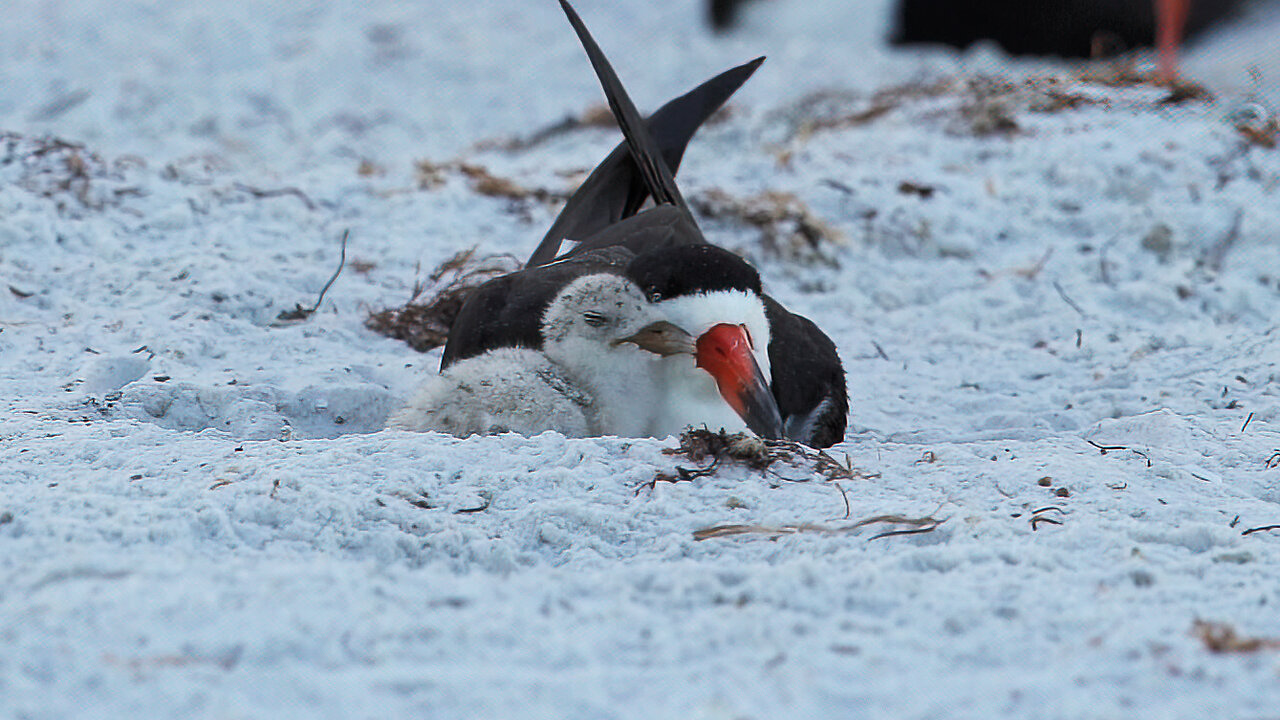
726	387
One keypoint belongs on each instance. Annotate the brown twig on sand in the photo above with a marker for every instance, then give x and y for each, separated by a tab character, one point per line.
1104	449
1027	272
596	116
915	525
1125	74
299	313
276	192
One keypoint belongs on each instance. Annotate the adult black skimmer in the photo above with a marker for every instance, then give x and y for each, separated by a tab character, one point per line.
743	334
1066	28
603	339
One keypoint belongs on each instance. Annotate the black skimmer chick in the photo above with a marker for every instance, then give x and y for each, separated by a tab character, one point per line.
597	365
714	294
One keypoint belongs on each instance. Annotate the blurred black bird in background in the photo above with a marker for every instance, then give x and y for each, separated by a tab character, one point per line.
1064	28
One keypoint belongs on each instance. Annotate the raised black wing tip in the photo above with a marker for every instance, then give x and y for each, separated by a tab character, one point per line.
616	189
658	178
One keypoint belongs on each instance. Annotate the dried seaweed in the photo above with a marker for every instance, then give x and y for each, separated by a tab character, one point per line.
787	226
1124	74
827	110
1267	136
699	444
431	175
761	455
596	116
53	168
989	106
1220	637
425	325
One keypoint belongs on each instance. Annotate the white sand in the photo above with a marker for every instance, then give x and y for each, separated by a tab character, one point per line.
199	518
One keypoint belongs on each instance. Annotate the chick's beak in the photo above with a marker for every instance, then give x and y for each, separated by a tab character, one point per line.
661	338
724	351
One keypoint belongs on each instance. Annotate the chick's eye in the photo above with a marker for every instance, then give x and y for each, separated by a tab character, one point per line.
594	319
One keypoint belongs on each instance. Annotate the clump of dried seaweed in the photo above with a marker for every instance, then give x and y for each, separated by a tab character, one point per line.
787	226
991	105
1125	73
700	444
827	110
59	170
431	175
988	106
1258	127
720	447
425	324
1220	637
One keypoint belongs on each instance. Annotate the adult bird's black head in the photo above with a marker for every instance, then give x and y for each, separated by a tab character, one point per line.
689	269
703	286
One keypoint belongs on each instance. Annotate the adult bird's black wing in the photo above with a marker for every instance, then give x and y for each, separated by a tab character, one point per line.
615	190
657	177
808	378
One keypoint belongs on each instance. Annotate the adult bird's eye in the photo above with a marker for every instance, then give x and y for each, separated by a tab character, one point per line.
595	319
